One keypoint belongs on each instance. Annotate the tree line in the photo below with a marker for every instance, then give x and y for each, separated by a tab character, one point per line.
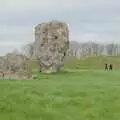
79	50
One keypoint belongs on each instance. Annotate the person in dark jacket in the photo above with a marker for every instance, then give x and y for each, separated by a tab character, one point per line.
106	66
110	67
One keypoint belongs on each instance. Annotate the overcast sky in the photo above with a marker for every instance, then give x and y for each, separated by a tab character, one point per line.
89	20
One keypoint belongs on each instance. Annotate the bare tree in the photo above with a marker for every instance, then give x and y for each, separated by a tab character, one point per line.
15	51
28	50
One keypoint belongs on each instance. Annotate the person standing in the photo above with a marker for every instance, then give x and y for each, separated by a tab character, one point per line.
106	66
110	67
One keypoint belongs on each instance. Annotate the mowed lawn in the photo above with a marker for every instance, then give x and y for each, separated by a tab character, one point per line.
75	95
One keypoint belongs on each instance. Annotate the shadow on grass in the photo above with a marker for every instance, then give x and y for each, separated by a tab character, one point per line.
61	73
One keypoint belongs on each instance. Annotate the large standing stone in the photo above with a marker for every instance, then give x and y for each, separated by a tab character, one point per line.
51	45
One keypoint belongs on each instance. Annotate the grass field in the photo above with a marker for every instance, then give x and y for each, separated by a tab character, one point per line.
74	95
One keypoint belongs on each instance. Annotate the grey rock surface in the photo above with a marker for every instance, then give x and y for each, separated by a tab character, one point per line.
51	45
15	66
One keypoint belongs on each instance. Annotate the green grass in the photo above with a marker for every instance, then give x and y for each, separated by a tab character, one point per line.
73	95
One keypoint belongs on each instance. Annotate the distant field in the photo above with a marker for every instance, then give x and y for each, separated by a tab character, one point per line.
93	63
74	95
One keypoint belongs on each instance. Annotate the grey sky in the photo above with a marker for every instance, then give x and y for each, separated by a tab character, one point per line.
89	20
